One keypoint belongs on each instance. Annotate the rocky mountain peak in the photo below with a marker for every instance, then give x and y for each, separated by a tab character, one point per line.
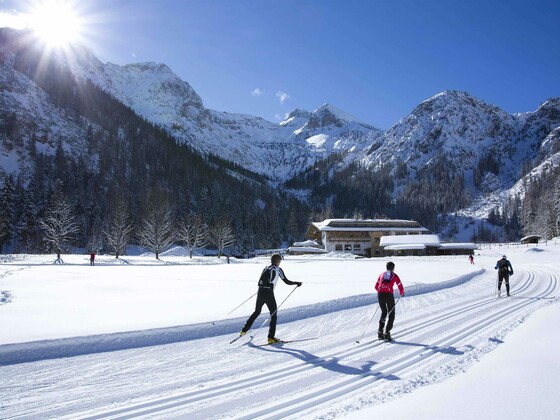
550	108
328	115
451	101
150	67
299	113
151	83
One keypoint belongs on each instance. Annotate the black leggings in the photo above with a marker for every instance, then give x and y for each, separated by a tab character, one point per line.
387	305
264	297
503	277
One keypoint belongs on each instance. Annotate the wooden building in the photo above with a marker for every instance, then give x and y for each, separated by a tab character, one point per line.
530	239
360	236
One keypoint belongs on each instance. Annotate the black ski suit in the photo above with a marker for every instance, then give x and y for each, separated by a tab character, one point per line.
504	271
265	296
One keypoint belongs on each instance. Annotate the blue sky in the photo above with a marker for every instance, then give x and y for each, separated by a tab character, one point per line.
374	59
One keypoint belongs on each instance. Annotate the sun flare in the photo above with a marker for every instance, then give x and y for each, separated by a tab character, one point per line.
56	23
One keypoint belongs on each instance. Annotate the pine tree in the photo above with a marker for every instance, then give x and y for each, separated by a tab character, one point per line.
7	212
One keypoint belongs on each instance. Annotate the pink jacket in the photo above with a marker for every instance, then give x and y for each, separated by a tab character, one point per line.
387	286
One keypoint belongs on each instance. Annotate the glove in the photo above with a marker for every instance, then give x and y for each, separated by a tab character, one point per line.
298	284
402	294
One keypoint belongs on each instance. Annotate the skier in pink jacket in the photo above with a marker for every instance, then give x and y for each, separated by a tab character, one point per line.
386	299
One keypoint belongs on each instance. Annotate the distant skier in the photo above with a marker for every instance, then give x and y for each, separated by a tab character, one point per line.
384	287
265	296
471	259
92	258
504	271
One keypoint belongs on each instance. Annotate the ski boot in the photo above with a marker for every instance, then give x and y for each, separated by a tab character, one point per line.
274	340
388	336
380	335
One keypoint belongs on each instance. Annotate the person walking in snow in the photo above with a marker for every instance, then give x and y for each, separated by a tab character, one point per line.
92	258
504	271
265	296
386	299
471	259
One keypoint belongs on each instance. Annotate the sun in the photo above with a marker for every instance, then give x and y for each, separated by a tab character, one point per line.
56	23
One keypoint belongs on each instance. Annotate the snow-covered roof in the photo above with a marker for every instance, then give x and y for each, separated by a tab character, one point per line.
400	242
410	240
373	229
307	243
404	246
369	225
459	245
526	238
307	249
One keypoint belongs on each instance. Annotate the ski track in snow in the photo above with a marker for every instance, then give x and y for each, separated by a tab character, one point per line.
437	335
6	295
76	346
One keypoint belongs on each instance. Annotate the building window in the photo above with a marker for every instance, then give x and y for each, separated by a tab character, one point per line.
338	247
357	247
348	247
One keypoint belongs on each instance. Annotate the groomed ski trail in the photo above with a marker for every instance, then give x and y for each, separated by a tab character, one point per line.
436	336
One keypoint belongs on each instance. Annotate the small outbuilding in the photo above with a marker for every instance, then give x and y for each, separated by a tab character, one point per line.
530	239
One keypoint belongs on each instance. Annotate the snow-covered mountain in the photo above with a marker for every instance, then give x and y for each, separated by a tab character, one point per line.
490	148
277	150
486	145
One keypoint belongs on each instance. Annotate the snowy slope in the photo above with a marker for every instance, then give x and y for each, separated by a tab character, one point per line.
453	124
464	130
278	150
442	331
157	94
23	98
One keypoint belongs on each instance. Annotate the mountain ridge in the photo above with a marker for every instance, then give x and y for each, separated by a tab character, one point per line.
488	148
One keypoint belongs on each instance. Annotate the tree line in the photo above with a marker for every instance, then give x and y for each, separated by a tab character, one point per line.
158	230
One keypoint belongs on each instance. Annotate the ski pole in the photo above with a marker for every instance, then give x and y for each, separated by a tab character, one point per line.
272	314
214	323
367	326
388	313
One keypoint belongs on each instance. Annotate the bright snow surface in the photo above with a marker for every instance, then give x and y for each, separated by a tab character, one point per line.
138	339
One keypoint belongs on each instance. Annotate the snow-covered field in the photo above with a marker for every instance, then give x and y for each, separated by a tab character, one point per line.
137	337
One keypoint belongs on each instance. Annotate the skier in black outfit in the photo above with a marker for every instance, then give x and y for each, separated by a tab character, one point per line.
265	296
504	271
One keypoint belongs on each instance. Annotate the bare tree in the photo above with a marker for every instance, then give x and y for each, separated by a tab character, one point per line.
118	230
222	235
59	226
193	232
95	240
156	232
